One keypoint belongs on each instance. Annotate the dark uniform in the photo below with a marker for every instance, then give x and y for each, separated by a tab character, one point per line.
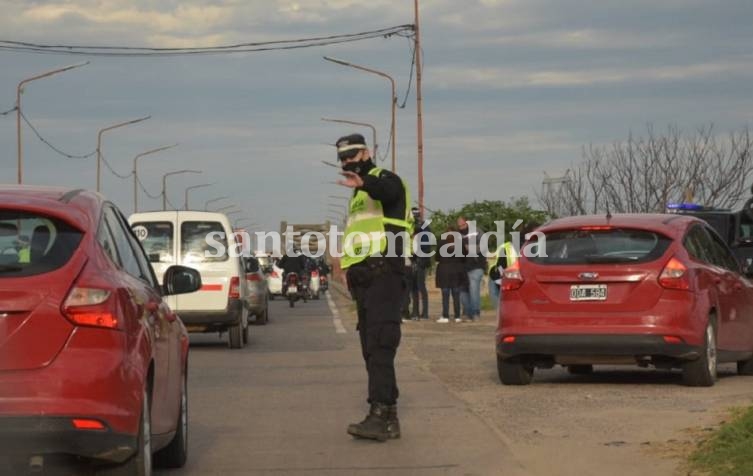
378	285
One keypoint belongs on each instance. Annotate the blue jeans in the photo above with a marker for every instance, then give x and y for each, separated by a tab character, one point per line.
471	299
494	293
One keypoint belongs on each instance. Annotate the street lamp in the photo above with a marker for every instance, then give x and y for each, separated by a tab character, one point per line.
233	212
19	90
225	208
363	124
164	183
393	98
185	202
99	144
206	204
136	173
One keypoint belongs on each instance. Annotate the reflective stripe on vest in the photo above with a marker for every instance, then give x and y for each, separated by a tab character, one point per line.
511	256
365	233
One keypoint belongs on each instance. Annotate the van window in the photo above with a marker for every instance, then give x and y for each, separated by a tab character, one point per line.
156	238
32	244
195	239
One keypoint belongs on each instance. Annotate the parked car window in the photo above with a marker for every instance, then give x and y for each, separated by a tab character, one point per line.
695	242
147	273
608	245
32	244
722	253
127	257
156	238
195	244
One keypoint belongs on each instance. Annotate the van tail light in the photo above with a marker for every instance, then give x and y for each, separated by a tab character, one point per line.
674	275
512	279
253	277
235	288
93	307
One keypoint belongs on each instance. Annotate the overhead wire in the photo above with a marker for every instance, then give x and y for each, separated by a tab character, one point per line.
18	46
107	164
143	189
5	113
52	146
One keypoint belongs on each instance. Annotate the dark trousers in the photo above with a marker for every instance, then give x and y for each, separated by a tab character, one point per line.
419	289
455	293
379	298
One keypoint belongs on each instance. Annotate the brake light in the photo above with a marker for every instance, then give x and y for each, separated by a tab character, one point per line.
314	274
235	288
596	228
90	307
674	275
274	274
253	277
85	424
508	340
292	279
511	278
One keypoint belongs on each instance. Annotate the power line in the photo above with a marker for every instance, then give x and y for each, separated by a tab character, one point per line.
9	111
143	189
412	70
51	146
18	46
120	176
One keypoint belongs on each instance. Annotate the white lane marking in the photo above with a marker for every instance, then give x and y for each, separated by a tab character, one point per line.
339	328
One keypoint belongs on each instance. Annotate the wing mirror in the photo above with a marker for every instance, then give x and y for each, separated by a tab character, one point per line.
180	280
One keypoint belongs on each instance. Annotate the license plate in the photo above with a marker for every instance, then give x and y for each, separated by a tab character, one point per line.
588	292
293	289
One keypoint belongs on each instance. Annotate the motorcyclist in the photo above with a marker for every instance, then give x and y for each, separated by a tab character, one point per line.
293	262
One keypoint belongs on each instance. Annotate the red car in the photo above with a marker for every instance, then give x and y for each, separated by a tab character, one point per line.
92	362
661	290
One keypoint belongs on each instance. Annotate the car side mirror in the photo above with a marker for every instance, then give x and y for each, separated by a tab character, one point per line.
180	280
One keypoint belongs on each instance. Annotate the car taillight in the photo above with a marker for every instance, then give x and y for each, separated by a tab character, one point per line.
235	288
674	275
292	279
90	307
274	274
511	278
253	277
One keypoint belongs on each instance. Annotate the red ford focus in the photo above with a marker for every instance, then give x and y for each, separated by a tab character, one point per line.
660	290
92	362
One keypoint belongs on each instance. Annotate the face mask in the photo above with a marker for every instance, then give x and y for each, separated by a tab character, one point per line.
354	167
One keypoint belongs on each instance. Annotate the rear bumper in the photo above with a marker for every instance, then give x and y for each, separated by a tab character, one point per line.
210	321
597	346
33	436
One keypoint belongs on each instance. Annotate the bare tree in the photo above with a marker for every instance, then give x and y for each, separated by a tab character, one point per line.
644	174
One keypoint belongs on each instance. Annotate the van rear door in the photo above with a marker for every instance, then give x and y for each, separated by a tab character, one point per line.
203	246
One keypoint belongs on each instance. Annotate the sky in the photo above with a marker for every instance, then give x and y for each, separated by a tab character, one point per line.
513	90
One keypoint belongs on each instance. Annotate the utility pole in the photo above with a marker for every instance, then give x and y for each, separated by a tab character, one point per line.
164	183
136	173
20	90
419	110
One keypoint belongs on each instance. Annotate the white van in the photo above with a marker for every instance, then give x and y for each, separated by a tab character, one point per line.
190	238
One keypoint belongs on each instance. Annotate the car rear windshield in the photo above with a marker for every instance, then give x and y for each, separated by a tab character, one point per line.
157	239
602	245
32	244
203	242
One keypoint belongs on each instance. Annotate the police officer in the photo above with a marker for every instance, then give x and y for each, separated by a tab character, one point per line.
376	247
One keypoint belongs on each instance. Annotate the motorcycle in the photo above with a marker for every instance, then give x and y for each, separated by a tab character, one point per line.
316	284
292	289
324	282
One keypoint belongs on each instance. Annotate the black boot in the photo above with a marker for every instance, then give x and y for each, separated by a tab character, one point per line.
375	426
393	424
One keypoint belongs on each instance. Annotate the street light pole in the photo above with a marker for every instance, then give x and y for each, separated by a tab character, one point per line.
393	98
206	204
19	90
164	183
136	173
225	208
185	203
363	124
99	145
419	110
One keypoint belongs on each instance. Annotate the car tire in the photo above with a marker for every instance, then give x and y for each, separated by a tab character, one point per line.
175	454
745	367
235	336
582	369
140	464
702	371
514	371
263	318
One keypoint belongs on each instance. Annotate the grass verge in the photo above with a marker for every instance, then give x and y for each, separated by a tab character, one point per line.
729	451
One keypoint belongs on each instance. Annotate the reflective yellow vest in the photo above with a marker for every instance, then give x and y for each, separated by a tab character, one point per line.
365	233
24	255
510	254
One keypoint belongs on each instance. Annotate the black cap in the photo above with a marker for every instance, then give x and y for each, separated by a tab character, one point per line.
349	146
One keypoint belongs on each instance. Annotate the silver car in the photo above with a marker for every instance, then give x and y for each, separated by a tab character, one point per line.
257	300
